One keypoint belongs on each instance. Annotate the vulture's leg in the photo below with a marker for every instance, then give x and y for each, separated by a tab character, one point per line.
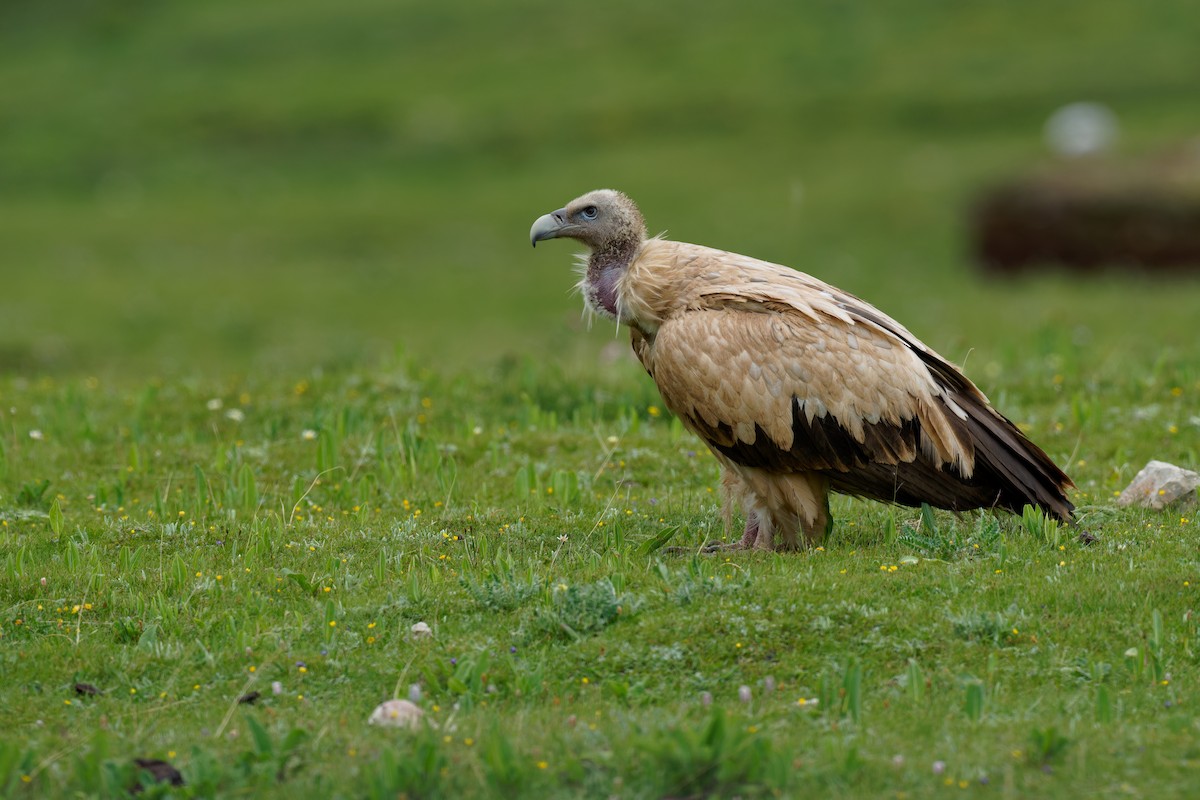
764	531
760	531
819	527
750	536
801	513
758	523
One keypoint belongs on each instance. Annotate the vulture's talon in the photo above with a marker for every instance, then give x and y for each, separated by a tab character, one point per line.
706	549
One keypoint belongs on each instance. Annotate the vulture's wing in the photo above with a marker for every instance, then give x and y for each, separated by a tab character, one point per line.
791	374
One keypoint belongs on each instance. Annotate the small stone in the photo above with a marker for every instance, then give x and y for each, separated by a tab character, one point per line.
1159	485
396	714
1081	129
421	630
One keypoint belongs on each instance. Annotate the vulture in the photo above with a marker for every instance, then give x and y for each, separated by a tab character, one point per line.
798	388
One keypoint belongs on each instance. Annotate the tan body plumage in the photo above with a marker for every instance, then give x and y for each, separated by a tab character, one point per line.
797	387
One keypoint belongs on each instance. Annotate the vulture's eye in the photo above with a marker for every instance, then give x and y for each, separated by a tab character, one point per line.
589	213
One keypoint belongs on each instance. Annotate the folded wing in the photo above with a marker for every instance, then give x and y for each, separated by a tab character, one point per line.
774	369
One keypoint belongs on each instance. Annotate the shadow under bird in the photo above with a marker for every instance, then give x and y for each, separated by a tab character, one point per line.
797	387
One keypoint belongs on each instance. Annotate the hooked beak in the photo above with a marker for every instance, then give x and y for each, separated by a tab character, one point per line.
548	226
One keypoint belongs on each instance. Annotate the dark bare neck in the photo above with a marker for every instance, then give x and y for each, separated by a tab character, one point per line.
604	268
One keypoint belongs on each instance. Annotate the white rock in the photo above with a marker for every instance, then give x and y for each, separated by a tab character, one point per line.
1081	129
396	714
1159	485
421	629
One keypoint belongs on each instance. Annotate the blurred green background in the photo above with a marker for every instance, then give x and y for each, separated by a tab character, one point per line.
225	186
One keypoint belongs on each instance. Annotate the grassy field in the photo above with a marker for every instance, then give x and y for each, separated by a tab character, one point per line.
280	378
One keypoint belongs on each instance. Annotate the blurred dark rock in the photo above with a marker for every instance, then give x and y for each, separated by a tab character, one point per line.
161	771
1090	213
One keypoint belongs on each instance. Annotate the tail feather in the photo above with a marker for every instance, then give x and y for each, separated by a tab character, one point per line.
1020	471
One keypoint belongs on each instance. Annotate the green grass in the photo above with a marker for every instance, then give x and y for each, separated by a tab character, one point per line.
280	377
189	558
229	186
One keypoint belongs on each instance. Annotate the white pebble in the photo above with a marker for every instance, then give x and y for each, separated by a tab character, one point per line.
396	714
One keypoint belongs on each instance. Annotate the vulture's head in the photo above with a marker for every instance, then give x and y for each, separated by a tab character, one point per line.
603	220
